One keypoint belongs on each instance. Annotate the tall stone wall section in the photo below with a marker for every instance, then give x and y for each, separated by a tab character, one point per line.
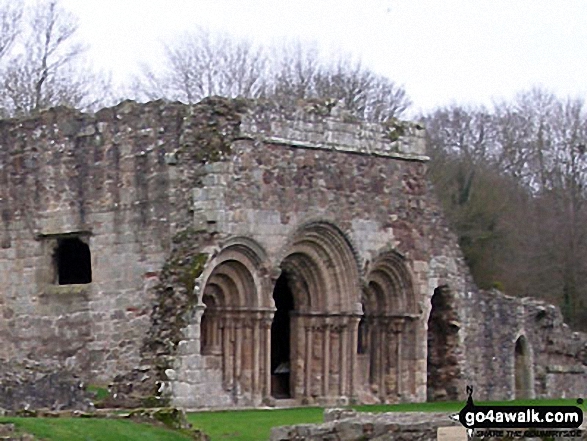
103	178
136	180
557	355
369	180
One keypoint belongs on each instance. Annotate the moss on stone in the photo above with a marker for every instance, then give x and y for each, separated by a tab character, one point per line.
210	128
171	417
194	270
155	401
394	129
171	313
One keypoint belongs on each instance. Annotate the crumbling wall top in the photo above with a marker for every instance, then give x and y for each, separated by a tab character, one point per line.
327	125
317	124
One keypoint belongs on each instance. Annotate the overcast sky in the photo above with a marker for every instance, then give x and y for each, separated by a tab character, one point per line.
441	51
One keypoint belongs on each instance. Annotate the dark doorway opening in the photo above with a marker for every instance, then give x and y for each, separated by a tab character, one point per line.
442	361
73	261
362	346
281	339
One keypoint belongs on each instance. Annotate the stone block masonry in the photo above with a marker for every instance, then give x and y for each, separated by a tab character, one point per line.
231	253
351	426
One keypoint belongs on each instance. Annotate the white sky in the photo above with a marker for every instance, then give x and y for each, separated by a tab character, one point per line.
441	51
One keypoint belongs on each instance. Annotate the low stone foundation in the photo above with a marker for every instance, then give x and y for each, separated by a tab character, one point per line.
33	386
348	425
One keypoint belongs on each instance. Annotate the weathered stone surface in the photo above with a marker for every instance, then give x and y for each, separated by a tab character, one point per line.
349	425
24	387
195	214
8	433
368	426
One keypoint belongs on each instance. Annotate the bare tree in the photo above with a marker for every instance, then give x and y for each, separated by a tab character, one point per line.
45	67
293	71
10	20
302	72
202	64
513	181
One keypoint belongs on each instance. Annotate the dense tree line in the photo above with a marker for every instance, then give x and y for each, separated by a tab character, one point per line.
511	177
512	181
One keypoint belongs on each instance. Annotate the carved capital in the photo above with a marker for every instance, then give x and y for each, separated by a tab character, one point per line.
396	325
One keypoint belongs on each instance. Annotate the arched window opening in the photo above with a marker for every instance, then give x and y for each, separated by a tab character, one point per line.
73	262
522	369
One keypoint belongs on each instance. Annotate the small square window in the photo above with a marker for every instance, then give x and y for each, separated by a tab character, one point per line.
73	261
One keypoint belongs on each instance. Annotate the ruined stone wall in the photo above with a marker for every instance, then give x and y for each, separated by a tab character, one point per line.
286	171
557	356
102	178
159	191
348	425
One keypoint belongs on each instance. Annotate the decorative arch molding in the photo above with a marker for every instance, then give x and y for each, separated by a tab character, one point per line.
388	328
317	295
390	284
322	257
235	317
245	262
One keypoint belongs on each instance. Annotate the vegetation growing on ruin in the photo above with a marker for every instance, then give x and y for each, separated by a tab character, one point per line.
210	129
171	313
175	295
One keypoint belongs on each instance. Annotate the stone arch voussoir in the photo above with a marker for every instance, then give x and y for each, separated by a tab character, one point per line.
327	247
395	292
245	263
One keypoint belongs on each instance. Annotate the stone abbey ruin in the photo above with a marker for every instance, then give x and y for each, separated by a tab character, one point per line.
232	253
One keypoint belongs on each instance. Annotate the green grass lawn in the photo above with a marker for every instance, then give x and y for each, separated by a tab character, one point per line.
255	425
93	429
251	425
243	425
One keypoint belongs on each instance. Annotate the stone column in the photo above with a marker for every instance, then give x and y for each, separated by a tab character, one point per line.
266	329
215	328
326	358
237	328
225	331
373	351
256	322
198	313
382	332
397	327
343	358
308	358
353	334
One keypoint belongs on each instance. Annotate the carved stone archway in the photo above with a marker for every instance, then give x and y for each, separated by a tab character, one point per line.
235	325
389	305
320	271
